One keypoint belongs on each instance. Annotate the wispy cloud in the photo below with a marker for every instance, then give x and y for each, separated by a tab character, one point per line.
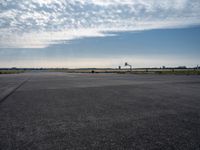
40	23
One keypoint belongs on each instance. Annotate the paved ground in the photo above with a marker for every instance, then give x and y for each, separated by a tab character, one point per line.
50	111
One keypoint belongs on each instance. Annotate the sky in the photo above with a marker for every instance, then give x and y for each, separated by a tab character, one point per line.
99	33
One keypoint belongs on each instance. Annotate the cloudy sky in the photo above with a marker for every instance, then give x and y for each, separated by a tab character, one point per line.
99	33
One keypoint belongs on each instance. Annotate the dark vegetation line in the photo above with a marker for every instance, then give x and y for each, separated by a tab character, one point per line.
11	71
181	71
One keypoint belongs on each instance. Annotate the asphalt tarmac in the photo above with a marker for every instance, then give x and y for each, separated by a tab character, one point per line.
50	111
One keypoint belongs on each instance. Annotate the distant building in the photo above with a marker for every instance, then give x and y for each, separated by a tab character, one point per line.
181	67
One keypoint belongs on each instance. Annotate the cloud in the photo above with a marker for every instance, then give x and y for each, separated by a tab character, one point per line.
41	23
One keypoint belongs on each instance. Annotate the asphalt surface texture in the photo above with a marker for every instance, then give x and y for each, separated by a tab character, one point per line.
61	111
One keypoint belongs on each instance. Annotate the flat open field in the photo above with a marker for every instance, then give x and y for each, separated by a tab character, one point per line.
50	110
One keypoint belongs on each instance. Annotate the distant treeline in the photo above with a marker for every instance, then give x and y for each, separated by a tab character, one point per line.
179	67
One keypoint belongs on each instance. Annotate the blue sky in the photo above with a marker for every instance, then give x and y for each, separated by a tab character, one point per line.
99	33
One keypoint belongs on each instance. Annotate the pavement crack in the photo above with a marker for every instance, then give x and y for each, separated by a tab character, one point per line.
13	91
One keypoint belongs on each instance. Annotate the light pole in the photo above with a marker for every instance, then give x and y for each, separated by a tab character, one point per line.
126	64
